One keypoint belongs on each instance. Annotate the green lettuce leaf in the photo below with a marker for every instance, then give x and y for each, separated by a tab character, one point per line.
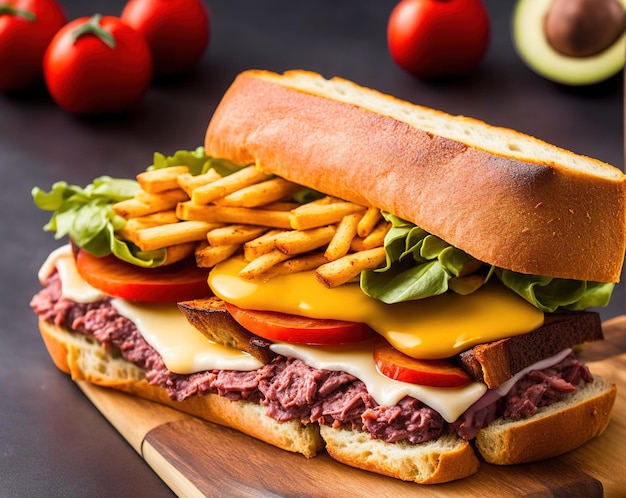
550	294
86	215
420	265
196	160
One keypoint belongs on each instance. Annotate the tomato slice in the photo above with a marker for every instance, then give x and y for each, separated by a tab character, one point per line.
399	366
296	329
178	282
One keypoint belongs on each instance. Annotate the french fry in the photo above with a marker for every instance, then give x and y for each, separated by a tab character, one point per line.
297	241
344	269
261	245
145	203
279	206
316	215
189	182
159	180
375	239
234	234
228	184
263	263
346	231
172	234
259	194
147	221
208	256
369	220
297	264
132	208
179	252
229	214
164	200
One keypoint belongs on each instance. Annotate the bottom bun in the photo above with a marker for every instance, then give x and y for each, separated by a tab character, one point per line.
83	358
551	431
445	459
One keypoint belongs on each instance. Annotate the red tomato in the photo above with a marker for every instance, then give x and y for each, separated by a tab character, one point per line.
177	31
178	282
97	65
399	366
26	28
298	329
438	38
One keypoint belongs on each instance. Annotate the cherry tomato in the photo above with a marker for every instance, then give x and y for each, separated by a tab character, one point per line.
399	366
438	38
177	282
298	329
177	31
97	65
26	28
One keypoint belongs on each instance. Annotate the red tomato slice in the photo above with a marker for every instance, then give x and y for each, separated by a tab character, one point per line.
298	329
399	366
178	282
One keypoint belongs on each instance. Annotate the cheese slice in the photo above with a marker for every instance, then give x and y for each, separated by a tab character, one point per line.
73	286
357	360
184	349
437	327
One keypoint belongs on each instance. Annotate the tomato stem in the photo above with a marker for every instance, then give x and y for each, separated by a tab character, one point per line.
93	27
26	14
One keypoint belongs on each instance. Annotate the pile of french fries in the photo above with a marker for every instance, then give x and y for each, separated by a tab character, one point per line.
215	217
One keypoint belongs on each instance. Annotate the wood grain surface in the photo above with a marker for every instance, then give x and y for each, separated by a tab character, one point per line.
196	458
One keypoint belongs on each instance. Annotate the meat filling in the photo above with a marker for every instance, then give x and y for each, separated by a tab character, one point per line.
290	389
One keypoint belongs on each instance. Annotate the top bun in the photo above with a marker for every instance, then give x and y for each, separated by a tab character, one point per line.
505	198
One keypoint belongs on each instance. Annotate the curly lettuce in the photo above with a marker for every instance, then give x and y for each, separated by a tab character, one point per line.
420	265
86	215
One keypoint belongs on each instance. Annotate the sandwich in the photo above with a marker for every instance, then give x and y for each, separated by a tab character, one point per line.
338	270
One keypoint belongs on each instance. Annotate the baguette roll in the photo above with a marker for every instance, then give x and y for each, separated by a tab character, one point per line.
503	197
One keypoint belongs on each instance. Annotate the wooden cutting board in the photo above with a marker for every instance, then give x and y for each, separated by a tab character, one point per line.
196	458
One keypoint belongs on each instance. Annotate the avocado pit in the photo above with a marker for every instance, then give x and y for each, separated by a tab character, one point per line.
583	28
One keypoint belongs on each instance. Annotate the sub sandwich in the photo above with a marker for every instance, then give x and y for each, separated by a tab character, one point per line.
339	270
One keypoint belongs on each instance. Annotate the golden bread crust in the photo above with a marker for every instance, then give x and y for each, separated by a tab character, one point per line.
513	210
552	431
446	459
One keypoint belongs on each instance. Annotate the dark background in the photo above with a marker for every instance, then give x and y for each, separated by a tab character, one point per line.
53	442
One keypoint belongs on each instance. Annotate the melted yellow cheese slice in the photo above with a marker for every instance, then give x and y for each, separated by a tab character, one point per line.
184	349
437	327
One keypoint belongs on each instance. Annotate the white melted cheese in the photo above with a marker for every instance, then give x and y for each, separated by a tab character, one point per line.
73	286
184	349
450	402
504	388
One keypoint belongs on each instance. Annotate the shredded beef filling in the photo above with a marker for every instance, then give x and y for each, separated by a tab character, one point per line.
290	389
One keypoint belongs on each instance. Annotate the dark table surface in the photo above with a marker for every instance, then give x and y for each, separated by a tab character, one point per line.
52	441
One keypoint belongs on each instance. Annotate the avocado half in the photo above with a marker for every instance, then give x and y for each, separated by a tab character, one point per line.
533	47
